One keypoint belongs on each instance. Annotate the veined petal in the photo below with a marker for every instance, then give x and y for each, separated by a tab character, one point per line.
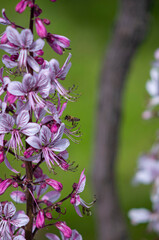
22	118
76	235
61	145
6	123
9	166
16	88
26	38
78	211
30	129
33	64
82	182
9	49
34	142
54	67
19	237
60	132
19	219
18	196
13	36
51	196
37	45
8	63
52	236
45	135
9	209
28	82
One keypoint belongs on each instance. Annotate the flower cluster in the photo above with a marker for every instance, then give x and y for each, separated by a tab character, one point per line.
148	164
32	130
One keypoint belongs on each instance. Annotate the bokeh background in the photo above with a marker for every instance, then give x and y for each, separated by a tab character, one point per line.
89	24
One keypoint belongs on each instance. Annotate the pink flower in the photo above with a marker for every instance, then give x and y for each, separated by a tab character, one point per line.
5	184
57	43
67	232
55	184
75	236
21	6
22	44
40	28
8	217
40	219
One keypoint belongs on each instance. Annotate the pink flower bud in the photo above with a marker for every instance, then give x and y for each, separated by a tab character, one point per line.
21	6
15	184
40	219
4	185
37	10
1	156
54	128
14	57
48	215
30	4
40	52
4	38
46	21
38	172
73	200
67	232
11	98
43	185
39	60
55	184
40	28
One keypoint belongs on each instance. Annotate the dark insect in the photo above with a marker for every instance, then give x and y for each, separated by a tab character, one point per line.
72	119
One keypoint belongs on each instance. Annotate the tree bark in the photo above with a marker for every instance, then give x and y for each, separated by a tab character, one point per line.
129	32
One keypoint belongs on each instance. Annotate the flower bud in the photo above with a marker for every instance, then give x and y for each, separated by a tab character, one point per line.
40	219
21	6
46	21
1	156
14	184
11	98
54	128
48	215
39	60
67	232
38	172
40	52
40	28
4	38
4	185
55	184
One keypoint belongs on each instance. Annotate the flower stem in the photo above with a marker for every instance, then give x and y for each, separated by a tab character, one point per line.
29	169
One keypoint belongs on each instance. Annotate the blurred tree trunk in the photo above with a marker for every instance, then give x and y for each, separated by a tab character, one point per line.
130	30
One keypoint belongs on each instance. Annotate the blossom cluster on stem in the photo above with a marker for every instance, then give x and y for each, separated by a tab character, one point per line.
34	130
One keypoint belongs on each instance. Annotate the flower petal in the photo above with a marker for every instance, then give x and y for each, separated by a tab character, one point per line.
30	129
33	64
8	63
9	209
16	88
9	49
9	166
28	82
81	183
26	38
37	45
45	135
6	123
18	196
52	236
22	118
34	142
19	219
13	36
51	196
61	145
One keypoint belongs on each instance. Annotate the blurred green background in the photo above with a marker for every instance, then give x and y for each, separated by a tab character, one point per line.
88	24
